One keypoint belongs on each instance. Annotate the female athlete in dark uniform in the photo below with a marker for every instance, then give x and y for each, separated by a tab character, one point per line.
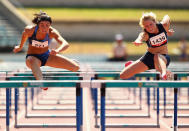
155	35
38	54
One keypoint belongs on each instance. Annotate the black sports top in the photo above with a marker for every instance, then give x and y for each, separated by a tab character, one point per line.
159	39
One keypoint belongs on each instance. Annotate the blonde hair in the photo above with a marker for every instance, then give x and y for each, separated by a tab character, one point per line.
147	16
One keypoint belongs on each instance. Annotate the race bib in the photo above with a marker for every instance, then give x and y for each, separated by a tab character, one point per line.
39	44
158	40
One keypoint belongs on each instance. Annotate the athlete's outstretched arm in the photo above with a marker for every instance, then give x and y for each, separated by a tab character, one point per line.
141	37
166	24
28	30
166	21
63	43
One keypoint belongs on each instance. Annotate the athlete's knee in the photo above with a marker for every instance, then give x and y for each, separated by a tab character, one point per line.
30	60
76	68
122	76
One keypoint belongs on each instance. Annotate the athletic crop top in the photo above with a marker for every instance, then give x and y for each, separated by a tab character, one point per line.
159	39
39	43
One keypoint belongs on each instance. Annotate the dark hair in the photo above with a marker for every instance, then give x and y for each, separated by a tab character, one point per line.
41	16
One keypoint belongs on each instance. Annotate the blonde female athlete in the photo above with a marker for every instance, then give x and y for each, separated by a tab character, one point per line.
155	34
40	35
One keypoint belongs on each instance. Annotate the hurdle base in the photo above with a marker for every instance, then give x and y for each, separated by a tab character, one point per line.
50	116
130	126
183	126
171	108
45	126
119	103
179	116
126	115
53	108
121	108
55	103
4	116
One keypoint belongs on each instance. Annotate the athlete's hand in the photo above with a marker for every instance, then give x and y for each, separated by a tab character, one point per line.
17	49
54	52
137	43
170	32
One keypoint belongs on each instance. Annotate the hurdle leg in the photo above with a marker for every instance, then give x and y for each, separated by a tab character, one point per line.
81	109
95	99
140	98
157	102
16	105
129	89
148	100
78	107
158	107
32	96
154	94
134	92
7	108
26	101
175	109
10	100
103	113
96	106
148	97
164	101
37	93
188	95
175	125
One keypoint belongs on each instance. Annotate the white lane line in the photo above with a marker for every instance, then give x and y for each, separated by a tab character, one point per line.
86	101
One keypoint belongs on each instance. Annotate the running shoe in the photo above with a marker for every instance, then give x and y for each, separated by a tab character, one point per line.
44	88
167	76
164	77
128	63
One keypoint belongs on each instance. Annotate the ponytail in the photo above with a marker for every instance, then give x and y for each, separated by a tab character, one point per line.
41	16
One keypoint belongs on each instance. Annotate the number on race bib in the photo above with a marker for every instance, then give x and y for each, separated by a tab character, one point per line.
39	44
158	40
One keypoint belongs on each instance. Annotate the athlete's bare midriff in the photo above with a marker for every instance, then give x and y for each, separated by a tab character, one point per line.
158	50
35	50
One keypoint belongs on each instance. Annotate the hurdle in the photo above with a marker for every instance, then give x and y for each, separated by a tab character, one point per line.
53	83
103	84
49	75
64	75
116	74
179	75
32	95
